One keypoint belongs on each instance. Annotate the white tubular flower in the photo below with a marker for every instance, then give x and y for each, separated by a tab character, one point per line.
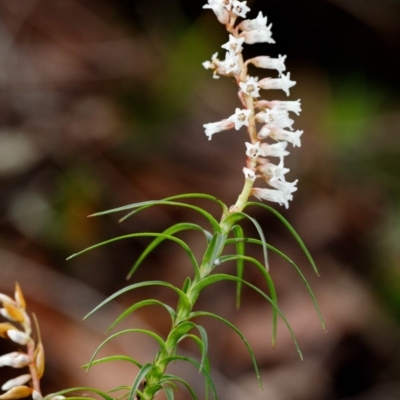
276	196
219	10
20	380
215	127
240	118
270	63
275	119
253	150
7	359
250	87
283	83
274	150
293	106
271	170
289	136
257	36
234	45
5	298
18	337
249	174
14	360
255	24
286	187
231	64
240	8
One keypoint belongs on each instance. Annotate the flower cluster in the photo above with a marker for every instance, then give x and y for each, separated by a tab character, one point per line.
273	116
14	310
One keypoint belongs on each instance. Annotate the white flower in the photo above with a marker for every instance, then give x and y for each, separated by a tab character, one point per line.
14	359
240	118
254	24
271	170
293	106
283	83
234	45
18	337
274	119
36	395
286	187
219	10
231	64
276	196
289	136
215	127
257	36
20	380
250	87
253	150
274	150
240	8
264	132
249	174
269	63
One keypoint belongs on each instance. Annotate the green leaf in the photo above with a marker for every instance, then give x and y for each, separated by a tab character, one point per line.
270	283
203	342
182	296
164	235
140	304
146	204
169	393
260	233
298	270
197	365
169	377
250	350
240	250
221	277
146	234
139	379
135	330
291	229
80	389
113	358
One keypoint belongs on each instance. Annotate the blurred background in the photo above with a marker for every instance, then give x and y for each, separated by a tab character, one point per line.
102	104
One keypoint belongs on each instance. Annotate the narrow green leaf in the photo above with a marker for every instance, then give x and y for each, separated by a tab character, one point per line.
169	393
270	283
203	342
140	304
240	250
135	330
169	377
260	233
197	365
182	296
292	231
233	327
146	204
163	236
113	358
139	379
298	270
146	234
221	277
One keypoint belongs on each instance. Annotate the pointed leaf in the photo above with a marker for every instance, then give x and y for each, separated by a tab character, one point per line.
240	249
233	327
221	277
169	232
139	379
113	358
291	229
169	377
135	330
140	304
182	296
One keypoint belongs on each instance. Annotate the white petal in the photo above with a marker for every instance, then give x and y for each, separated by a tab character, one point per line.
20	380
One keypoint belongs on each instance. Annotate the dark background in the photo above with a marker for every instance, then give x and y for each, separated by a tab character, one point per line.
102	104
